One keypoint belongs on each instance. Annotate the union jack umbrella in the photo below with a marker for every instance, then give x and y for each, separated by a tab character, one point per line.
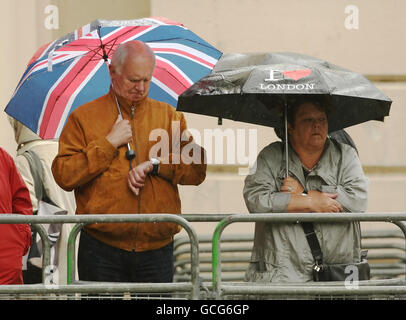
73	70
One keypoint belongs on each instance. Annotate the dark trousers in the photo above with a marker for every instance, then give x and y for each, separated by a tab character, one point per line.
98	261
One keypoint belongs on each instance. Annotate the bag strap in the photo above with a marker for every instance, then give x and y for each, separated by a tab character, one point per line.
308	227
35	163
314	244
311	238
35	166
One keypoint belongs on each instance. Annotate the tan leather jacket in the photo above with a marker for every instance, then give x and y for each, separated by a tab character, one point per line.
90	165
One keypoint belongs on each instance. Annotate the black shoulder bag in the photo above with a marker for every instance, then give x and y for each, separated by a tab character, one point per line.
333	272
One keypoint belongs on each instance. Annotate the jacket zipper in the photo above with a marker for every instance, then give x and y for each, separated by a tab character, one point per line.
134	142
136	162
133	133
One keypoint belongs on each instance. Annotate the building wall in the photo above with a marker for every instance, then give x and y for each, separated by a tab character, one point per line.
314	27
317	28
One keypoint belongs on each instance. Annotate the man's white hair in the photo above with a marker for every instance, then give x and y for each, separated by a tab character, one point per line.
119	57
121	54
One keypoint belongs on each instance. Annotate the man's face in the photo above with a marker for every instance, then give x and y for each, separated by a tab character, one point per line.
133	80
310	127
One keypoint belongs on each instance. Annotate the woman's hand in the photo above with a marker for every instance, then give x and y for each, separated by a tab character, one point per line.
292	185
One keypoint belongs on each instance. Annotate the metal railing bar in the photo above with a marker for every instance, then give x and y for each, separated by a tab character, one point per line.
310	290
100	287
101	218
395	218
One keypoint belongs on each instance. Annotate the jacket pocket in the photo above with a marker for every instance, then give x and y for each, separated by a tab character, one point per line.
159	230
260	271
105	192
25	232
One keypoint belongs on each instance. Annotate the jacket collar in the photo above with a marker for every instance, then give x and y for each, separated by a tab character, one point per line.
296	167
125	105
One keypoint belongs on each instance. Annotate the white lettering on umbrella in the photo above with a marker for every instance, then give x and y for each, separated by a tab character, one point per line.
274	75
284	86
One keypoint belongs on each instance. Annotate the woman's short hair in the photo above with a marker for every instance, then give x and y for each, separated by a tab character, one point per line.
322	102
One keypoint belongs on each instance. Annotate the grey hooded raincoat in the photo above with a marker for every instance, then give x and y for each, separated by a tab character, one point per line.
281	252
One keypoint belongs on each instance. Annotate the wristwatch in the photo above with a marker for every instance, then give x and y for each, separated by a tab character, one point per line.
155	166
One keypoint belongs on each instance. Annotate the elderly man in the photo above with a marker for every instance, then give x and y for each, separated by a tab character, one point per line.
92	161
324	176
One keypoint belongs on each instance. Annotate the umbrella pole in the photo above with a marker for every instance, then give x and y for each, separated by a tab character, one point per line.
286	140
130	154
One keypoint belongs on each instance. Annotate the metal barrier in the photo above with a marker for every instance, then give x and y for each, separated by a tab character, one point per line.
236	253
318	288
386	255
216	289
386	252
85	287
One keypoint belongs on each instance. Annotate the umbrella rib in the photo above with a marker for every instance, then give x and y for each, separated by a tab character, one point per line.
111	46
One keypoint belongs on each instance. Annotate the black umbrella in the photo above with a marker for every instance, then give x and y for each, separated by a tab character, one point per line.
258	87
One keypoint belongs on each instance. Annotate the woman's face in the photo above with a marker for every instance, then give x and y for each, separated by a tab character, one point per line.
310	128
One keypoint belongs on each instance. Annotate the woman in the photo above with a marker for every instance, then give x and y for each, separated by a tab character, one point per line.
324	176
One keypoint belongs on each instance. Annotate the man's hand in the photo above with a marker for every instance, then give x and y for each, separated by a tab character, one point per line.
291	185
136	177
324	202
120	133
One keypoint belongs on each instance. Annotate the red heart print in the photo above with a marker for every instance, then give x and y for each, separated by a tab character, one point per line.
297	74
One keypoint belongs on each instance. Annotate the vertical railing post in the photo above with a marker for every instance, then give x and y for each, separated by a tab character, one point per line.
71	252
216	252
46	250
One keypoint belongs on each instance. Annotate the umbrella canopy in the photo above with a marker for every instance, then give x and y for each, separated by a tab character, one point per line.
254	88
73	70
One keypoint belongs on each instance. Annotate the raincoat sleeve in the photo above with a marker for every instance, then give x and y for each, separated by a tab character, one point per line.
352	188
79	162
21	196
186	163
21	204
261	189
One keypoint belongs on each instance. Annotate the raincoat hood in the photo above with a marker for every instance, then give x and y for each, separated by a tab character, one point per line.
22	133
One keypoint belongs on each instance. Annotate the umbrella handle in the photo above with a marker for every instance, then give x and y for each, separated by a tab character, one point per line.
130	154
